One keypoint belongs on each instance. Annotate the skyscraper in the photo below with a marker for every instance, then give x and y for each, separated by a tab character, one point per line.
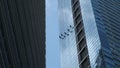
22	33
97	33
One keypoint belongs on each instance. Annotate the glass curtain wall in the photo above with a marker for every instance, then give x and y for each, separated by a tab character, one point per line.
69	56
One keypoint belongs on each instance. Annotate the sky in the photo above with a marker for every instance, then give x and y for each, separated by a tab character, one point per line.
52	35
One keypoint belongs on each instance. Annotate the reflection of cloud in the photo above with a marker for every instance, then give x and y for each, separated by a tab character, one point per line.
92	37
69	16
65	18
66	15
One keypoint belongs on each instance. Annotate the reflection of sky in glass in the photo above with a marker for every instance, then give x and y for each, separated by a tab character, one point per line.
92	37
65	16
69	57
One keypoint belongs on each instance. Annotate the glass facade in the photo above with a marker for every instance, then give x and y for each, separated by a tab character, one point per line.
108	22
82	48
97	24
93	37
69	58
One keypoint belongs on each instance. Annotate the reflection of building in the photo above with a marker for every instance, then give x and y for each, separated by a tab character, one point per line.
80	35
95	40
22	34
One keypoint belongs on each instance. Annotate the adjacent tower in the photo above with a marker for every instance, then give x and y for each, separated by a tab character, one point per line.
22	33
96	33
